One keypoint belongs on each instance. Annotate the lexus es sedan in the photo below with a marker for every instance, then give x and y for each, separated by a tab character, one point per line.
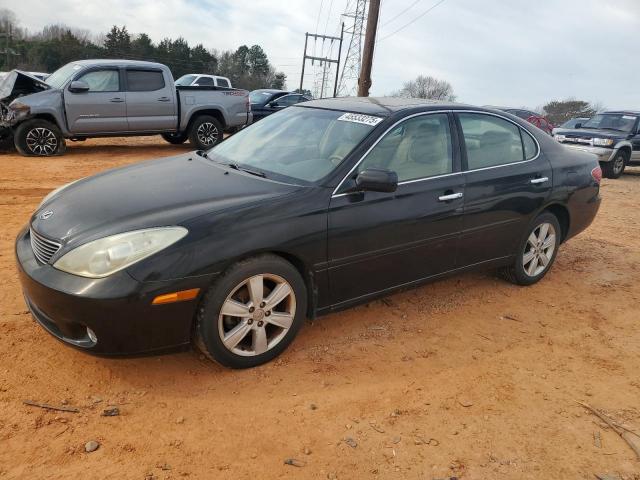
316	208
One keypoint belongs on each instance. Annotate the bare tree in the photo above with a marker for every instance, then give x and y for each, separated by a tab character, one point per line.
427	87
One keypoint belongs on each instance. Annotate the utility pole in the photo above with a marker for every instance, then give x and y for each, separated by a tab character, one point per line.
364	81
324	61
356	10
8	36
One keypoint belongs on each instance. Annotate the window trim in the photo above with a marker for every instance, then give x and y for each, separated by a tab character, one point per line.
460	145
99	68
143	69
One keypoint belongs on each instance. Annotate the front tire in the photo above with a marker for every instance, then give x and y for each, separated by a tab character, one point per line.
39	138
205	132
615	167
175	138
252	312
536	252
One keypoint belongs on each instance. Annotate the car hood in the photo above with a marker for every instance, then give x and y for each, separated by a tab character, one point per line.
162	192
17	83
588	133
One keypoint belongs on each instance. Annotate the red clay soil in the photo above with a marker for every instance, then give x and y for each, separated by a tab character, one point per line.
470	377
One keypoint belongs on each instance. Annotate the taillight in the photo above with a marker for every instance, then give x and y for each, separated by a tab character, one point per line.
596	173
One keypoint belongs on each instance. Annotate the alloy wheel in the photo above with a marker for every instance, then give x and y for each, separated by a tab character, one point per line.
207	133
618	164
538	250
41	141
257	314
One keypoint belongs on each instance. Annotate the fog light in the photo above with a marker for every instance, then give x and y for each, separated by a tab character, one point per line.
92	335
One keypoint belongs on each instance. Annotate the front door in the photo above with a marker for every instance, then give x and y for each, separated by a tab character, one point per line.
102	109
151	101
635	141
508	180
382	240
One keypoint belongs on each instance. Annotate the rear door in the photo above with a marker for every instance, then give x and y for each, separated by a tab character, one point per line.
507	179
635	156
151	104
383	240
100	110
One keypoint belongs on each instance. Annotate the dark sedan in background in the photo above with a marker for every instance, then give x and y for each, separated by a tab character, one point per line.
316	208
266	101
533	118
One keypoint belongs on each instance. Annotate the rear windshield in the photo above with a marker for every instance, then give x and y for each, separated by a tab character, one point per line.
186	80
259	97
300	143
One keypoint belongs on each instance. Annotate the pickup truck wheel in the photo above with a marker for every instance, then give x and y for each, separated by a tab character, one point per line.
175	138
205	132
39	138
615	167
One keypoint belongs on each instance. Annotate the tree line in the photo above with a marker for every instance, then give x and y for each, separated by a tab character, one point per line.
55	45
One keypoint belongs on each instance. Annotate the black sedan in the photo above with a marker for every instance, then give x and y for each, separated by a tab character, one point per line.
266	101
314	209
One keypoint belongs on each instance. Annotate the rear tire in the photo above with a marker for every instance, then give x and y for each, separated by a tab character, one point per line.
615	167
536	252
175	138
39	138
205	132
266	301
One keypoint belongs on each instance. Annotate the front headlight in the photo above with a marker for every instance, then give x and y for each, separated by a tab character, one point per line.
602	142
105	256
560	138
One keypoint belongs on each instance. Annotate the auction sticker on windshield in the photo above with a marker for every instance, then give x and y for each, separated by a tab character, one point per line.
359	118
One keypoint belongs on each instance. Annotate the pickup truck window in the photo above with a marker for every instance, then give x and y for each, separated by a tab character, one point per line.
205	82
102	80
144	80
223	83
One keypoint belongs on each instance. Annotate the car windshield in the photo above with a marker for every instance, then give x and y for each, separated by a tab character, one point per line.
259	97
300	143
58	78
185	80
611	121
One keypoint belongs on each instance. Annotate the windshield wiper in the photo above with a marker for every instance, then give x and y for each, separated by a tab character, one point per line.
233	165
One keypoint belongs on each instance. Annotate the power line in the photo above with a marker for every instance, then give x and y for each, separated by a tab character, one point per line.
413	21
403	11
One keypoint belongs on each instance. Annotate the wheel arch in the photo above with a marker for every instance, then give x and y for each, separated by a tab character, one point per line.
561	212
42	116
217	114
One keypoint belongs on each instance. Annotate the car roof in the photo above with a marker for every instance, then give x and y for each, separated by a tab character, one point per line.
115	61
383	106
269	90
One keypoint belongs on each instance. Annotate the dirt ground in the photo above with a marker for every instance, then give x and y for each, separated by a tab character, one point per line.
470	377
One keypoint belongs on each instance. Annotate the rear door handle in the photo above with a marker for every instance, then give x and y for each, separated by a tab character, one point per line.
164	99
539	180
116	100
451	196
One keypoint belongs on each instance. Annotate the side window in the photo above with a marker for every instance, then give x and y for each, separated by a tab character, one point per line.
287	100
205	82
144	80
529	144
223	82
490	140
102	80
417	148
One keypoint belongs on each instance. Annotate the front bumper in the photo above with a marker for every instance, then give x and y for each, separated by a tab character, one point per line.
603	154
117	308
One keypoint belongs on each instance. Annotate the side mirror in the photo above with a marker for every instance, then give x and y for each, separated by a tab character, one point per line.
79	86
377	180
578	125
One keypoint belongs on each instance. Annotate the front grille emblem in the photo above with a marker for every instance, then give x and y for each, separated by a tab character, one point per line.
47	214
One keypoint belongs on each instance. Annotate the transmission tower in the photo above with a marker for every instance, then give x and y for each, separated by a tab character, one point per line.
351	70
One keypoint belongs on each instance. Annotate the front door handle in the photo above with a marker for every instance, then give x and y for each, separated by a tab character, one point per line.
449	197
116	100
539	180
164	99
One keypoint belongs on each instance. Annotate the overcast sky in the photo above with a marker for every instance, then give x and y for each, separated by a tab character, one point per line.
499	52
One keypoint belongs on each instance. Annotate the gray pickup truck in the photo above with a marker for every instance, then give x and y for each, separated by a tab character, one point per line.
109	98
